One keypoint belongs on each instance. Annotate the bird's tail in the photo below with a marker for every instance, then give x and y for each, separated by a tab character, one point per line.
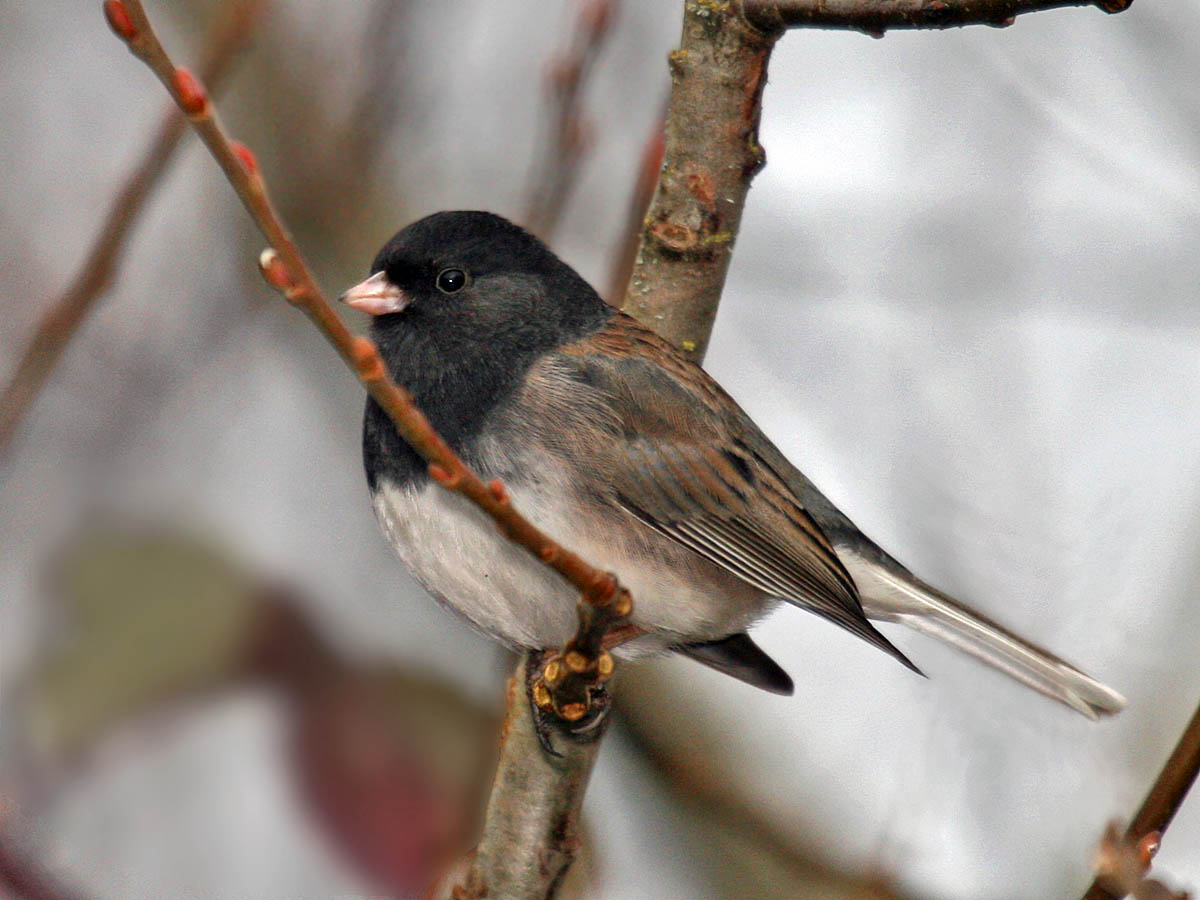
892	594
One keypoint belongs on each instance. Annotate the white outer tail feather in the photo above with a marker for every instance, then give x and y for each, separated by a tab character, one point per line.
893	595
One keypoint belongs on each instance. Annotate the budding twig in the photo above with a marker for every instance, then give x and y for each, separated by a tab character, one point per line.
61	322
284	269
568	134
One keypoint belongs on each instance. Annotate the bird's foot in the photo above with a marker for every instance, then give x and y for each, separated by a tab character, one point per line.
567	694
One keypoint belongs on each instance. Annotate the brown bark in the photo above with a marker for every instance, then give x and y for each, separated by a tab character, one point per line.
711	154
531	833
874	17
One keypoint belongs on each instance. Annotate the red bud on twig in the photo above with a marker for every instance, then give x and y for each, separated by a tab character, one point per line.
274	271
119	20
244	153
1147	847
192	96
366	359
447	479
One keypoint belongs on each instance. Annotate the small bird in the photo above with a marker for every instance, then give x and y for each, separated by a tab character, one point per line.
618	446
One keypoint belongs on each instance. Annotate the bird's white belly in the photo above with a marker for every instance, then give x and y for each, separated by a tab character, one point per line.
456	553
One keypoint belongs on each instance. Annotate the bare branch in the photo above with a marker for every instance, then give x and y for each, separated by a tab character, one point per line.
568	134
1162	802
531	832
711	153
60	323
876	16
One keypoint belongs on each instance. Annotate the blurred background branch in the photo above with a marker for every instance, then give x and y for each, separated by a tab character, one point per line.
568	133
229	35
19	877
392	764
645	180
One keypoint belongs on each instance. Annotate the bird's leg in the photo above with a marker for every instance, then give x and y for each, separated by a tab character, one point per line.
567	693
566	688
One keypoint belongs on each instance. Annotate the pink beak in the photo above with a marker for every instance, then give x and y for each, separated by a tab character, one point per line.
376	296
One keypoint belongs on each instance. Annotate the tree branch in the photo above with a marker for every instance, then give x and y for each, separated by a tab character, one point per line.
876	16
60	323
1162	802
531	832
568	135
711	153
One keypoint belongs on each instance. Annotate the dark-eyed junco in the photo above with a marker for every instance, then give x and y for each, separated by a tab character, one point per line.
626	452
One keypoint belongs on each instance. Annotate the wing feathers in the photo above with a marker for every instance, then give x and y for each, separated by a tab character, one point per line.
683	460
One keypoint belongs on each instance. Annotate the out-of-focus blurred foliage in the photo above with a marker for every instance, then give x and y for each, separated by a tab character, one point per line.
144	620
963	300
392	766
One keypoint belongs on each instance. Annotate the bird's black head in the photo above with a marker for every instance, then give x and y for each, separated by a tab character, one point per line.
460	279
462	304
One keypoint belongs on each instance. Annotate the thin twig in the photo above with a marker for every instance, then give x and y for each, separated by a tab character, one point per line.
60	323
1176	778
568	133
874	17
285	269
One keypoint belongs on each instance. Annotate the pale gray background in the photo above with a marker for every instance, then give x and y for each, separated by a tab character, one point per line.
964	301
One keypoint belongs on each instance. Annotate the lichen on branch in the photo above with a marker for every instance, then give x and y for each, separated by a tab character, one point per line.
711	153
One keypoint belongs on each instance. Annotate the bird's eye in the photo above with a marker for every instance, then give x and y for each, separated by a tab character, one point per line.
451	280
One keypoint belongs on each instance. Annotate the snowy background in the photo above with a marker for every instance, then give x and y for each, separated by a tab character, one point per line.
964	301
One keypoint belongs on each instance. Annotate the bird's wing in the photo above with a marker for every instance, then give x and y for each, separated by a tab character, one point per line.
675	451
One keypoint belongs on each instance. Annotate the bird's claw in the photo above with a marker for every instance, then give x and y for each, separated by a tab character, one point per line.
567	694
